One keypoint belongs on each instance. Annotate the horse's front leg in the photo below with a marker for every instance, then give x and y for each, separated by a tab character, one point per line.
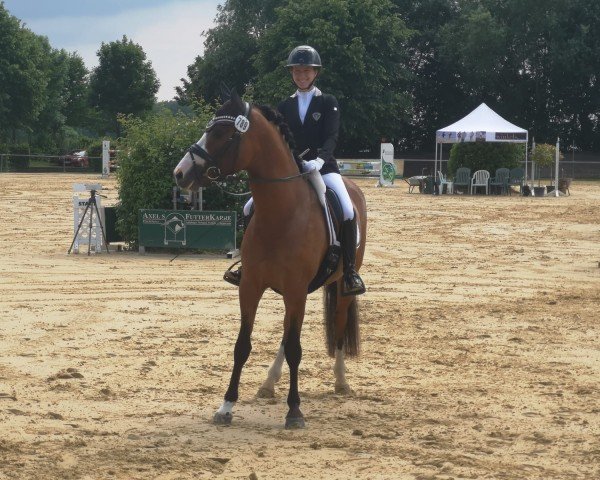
243	347
294	317
267	389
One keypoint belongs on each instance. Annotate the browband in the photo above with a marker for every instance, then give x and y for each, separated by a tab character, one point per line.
241	122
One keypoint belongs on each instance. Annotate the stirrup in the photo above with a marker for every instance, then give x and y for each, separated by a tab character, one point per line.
352	284
233	277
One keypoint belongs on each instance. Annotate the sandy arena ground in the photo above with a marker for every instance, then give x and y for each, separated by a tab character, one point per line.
480	349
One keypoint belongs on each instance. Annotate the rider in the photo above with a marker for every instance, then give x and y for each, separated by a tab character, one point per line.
314	118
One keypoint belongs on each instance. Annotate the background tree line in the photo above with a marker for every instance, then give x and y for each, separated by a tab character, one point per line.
400	68
50	102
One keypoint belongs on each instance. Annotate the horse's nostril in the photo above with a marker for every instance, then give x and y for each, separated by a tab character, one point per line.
178	174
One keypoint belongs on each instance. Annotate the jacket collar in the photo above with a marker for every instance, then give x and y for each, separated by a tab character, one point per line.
318	93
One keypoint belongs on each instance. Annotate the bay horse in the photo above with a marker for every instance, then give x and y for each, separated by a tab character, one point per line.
283	245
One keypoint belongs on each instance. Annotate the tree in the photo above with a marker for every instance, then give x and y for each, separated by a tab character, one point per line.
124	82
77	91
533	62
362	46
22	81
48	127
229	50
543	155
437	98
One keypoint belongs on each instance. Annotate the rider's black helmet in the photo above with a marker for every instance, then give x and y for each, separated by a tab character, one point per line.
304	56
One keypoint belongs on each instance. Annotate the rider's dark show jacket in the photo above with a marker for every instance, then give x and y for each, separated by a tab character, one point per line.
319	132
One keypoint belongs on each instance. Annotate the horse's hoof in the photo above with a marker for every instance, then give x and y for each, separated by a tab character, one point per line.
293	423
264	392
344	389
222	418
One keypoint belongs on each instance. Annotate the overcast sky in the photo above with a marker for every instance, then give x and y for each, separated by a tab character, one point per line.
169	31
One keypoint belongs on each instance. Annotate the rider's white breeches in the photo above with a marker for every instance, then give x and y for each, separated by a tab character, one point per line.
336	183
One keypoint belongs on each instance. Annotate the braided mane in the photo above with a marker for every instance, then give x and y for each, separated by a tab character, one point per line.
276	118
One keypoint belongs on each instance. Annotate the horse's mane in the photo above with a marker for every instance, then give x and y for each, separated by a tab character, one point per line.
276	118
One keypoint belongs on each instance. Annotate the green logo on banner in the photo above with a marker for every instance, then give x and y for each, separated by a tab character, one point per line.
388	172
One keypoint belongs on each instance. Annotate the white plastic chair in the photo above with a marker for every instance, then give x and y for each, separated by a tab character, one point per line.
444	181
480	178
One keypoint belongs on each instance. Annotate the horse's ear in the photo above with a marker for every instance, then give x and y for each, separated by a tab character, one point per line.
225	92
236	100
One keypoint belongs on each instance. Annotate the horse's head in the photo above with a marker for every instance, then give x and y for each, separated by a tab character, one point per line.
214	155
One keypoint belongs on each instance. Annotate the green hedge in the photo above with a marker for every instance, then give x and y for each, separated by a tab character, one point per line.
149	151
485	156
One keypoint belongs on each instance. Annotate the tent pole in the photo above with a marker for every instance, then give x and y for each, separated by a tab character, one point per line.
556	192
532	162
526	149
436	157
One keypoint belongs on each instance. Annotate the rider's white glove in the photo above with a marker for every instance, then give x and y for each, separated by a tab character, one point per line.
311	165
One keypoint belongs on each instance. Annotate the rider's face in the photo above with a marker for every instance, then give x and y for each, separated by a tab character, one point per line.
304	76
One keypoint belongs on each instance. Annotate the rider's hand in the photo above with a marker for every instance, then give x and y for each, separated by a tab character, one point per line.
315	164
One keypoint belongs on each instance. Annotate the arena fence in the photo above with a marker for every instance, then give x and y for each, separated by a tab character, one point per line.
10	162
405	167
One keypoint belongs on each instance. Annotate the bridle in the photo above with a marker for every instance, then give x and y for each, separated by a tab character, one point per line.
241	124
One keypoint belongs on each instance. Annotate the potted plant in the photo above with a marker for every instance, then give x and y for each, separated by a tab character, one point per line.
542	156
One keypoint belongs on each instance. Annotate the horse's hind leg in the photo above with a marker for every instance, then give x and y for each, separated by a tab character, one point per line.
267	389
339	369
243	346
343	334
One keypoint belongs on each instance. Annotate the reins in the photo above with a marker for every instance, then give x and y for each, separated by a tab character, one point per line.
257	180
277	180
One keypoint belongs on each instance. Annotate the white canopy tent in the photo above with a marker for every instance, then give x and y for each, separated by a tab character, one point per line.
481	125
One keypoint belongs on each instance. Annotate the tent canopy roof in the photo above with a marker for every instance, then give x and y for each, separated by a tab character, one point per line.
481	125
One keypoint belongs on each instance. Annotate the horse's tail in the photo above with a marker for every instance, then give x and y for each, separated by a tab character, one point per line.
346	310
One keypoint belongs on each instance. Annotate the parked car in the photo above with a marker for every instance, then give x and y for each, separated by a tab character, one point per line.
76	158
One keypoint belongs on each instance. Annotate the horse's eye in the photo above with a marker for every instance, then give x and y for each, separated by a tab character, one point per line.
219	133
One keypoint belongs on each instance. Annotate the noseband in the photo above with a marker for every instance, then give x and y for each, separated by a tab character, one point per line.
241	124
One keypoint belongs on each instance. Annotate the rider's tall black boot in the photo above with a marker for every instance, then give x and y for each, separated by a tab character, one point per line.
353	284
231	276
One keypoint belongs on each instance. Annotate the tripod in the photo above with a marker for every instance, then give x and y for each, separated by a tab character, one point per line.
90	202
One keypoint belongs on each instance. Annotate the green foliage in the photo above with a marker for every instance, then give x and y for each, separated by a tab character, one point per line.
544	155
229	50
149	151
436	94
400	69
76	89
485	156
22	81
123	82
16	164
37	88
361	44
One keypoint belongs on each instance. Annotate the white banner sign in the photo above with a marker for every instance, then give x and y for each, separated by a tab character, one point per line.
387	172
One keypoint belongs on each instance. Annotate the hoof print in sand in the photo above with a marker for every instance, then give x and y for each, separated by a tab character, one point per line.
66	374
